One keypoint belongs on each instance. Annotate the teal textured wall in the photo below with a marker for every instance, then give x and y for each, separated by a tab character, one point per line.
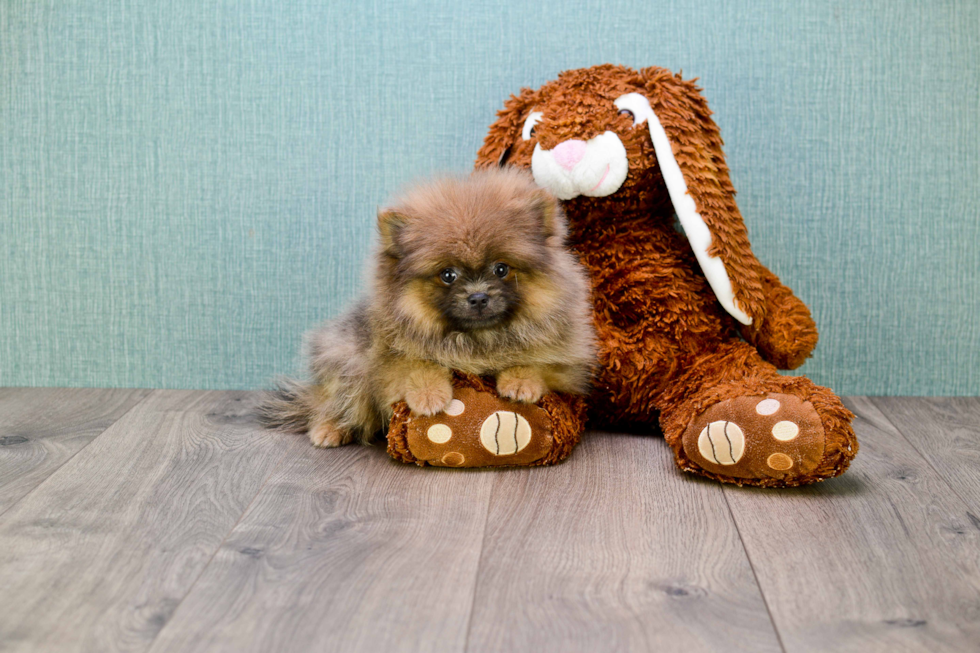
186	186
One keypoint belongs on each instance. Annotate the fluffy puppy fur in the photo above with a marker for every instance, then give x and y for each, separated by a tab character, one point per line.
471	274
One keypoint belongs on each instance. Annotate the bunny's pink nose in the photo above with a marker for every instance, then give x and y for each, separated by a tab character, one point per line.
569	153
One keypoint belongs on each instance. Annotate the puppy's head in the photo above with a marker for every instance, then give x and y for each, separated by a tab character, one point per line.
469	254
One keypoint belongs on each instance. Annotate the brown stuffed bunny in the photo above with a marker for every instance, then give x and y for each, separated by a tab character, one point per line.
627	151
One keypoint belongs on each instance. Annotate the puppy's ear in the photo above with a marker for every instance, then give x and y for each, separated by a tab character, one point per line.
505	132
552	217
390	227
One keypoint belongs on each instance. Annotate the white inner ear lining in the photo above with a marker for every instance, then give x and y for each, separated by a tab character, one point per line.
696	230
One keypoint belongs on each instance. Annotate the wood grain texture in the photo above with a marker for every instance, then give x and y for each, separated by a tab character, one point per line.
99	556
946	432
185	527
615	550
343	550
884	558
41	428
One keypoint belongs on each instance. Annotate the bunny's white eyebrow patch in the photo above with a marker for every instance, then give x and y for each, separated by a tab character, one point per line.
635	104
529	124
687	211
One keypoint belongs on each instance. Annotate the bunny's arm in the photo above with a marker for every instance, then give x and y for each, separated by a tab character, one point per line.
788	334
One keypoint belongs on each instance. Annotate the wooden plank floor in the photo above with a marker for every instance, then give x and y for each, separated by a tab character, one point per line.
169	521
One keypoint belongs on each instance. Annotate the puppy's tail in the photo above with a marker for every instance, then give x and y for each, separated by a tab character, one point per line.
288	406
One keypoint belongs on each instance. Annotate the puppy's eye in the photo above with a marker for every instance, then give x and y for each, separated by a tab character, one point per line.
528	132
448	276
501	270
627	113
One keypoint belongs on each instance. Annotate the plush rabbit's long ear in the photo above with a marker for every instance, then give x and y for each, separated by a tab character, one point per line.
688	147
505	132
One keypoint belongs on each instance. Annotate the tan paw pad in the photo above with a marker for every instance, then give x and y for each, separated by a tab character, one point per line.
439	433
767	407
453	459
477	429
456	408
772	436
722	443
779	461
505	433
785	431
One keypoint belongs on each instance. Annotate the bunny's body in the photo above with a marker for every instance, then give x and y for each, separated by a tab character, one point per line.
692	326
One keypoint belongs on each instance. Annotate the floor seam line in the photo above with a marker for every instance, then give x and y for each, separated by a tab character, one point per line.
755	575
80	450
479	564
282	461
928	462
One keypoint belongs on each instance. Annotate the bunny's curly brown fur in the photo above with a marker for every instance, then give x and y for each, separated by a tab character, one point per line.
669	352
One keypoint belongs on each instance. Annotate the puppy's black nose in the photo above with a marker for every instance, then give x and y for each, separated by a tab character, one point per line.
479	300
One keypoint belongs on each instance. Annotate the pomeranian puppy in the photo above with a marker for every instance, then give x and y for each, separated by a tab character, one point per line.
471	274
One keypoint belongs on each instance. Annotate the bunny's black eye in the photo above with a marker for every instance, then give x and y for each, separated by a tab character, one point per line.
448	276
528	131
627	113
501	270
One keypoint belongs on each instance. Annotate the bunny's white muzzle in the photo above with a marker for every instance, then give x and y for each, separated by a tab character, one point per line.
594	168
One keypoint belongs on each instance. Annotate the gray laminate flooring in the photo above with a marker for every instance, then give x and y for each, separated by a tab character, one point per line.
159	521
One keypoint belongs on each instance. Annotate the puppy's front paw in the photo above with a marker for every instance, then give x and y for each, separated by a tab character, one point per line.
326	435
521	384
429	399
